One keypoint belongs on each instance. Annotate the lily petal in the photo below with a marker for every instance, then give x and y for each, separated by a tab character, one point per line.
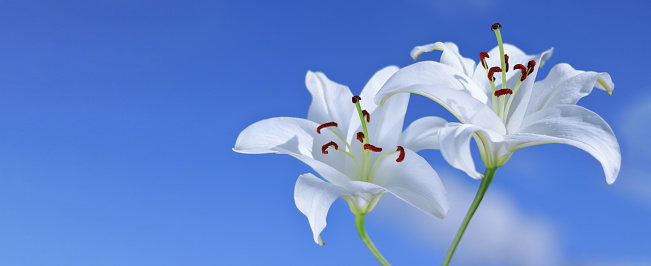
287	135
373	86
414	181
330	101
449	87
423	134
576	126
313	198
386	123
454	139
523	96
450	56
566	85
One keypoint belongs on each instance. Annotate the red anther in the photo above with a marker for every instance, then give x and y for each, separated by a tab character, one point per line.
523	69
530	66
401	157
356	98
496	26
360	137
501	92
506	60
482	58
492	71
372	148
367	116
325	147
329	124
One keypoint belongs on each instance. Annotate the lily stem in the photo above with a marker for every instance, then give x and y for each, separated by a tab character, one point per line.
485	182
359	222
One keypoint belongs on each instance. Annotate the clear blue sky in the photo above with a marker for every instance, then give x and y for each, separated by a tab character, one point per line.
118	119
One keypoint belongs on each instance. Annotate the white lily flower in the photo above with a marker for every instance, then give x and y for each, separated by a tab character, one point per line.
520	114
357	147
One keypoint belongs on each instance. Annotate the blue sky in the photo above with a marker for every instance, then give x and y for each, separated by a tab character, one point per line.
119	118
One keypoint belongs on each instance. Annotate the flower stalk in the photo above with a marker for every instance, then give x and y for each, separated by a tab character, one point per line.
359	222
483	187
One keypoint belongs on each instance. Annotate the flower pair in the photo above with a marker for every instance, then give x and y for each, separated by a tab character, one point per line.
356	143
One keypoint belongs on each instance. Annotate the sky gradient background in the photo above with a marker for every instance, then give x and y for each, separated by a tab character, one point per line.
118	118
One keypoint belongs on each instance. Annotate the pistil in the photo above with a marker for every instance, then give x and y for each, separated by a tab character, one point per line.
366	154
496	28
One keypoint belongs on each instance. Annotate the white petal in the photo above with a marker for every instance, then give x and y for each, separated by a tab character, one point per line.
523	95
447	86
576	126
386	122
313	198
286	135
450	56
423	134
331	102
373	86
565	85
426	48
414	181
455	147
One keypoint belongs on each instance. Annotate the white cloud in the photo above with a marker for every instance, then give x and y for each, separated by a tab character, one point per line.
633	136
499	234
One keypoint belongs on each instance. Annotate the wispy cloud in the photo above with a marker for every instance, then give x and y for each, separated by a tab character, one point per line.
499	234
633	134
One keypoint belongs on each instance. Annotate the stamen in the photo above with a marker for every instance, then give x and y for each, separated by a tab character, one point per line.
372	148
329	124
496	26
530	66
492	71
506	60
360	137
501	92
356	98
325	147
367	116
482	58
401	157
523	69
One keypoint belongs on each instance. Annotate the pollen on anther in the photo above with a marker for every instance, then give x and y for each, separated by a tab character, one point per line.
501	92
482	58
492	71
325	147
530	66
506	61
523	69
322	126
496	26
356	98
401	157
372	148
367	116
360	137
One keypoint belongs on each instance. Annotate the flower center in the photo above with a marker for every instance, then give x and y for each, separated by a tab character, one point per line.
365	170
499	95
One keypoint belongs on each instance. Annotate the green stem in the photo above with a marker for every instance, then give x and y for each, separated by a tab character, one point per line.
485	182
359	222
